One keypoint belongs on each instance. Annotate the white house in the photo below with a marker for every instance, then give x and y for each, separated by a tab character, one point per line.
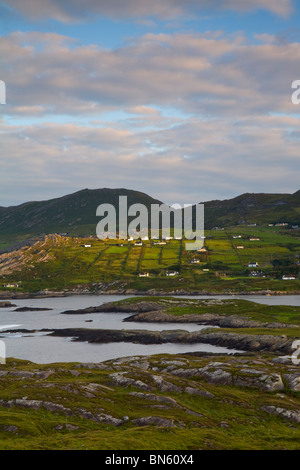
143	274
252	265
172	273
288	278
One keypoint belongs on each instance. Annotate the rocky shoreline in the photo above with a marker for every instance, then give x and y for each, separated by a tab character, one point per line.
5	295
241	342
142	310
277	345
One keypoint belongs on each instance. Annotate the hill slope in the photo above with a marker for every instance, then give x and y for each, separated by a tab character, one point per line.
75	214
258	208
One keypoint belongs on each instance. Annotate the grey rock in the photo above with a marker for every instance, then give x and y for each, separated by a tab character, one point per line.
157	398
290	415
154	420
258	379
24	374
118	379
192	372
202	393
215	376
164	385
12	429
293	381
108	419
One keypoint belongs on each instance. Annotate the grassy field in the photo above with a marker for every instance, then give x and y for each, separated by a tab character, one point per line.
81	407
59	262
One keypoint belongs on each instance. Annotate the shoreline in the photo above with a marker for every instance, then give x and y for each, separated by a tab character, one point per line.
4	295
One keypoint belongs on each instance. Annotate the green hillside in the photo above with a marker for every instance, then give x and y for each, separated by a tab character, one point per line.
42	246
254	208
75	214
58	262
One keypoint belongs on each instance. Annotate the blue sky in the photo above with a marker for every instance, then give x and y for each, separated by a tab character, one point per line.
177	99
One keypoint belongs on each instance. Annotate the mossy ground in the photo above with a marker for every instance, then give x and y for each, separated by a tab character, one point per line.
230	418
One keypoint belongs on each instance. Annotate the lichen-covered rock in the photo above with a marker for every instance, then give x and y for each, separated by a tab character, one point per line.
154	420
258	379
293	381
287	414
215	375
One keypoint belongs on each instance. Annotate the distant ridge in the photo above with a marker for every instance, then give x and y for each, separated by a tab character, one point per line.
260	208
75	214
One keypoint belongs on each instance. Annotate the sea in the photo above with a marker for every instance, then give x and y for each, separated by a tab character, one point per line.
41	348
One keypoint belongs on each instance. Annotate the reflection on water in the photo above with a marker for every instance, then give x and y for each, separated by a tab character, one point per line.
40	348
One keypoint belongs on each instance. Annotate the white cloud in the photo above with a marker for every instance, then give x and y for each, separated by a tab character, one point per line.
187	163
198	73
77	10
227	132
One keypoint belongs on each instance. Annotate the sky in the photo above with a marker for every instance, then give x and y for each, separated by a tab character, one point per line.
185	101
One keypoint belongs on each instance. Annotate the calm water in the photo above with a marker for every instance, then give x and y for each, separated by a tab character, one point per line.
41	349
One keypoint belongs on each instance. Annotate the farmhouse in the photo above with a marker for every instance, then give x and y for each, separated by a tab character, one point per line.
143	274
172	273
252	265
195	261
288	278
257	274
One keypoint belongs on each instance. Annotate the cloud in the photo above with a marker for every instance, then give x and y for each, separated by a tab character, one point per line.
205	74
77	10
204	116
191	161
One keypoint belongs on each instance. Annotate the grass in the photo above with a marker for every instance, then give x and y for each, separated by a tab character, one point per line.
70	264
232	419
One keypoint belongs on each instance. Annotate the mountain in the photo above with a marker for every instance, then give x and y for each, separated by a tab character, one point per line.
75	214
258	208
